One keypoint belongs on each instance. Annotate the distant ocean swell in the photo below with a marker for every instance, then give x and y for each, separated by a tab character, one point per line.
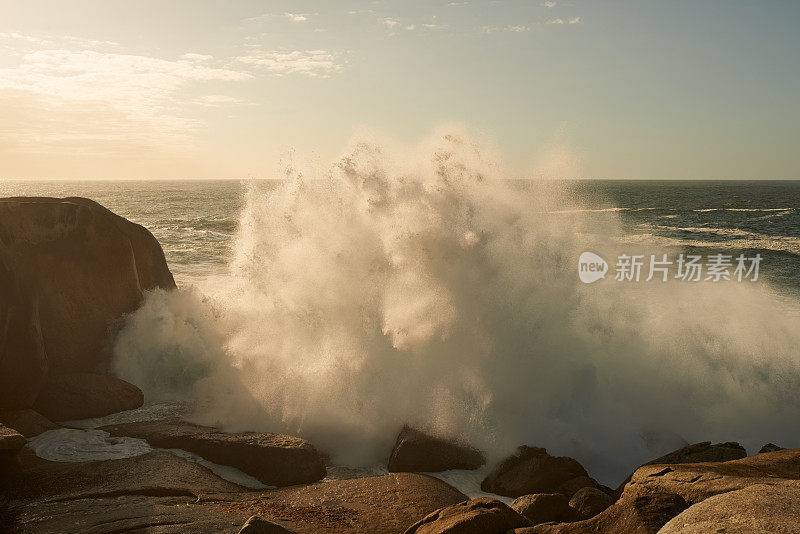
418	286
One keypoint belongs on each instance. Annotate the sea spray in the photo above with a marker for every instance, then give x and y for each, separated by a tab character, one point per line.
423	287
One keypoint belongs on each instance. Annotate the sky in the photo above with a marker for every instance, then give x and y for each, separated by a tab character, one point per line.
606	89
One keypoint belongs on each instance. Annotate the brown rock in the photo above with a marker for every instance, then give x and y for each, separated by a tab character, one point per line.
756	508
478	516
274	459
259	525
161	492
770	447
696	453
83	395
588	502
27	422
573	485
658	493
417	451
532	470
543	507
69	269
11	442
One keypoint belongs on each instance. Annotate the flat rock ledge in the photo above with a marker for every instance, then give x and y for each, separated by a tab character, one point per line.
273	459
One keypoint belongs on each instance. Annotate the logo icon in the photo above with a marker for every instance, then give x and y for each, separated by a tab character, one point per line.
591	267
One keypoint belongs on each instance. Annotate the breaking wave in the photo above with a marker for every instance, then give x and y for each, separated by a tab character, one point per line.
416	285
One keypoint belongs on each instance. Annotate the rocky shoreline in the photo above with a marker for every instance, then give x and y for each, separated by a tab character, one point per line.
69	272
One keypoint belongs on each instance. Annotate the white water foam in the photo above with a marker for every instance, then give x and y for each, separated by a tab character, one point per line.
415	285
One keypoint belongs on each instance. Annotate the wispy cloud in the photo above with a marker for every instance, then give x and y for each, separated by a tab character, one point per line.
390	22
549	4
518	29
77	93
575	20
297	17
435	27
313	63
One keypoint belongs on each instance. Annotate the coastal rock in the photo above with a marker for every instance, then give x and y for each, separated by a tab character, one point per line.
274	459
696	453
27	422
658	493
573	485
259	525
11	442
543	507
756	508
417	451
478	516
83	395
532	470
770	447
69	270
162	492
588	502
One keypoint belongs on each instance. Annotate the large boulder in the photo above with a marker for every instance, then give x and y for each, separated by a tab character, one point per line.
696	453
533	470
418	451
69	270
756	508
27	422
658	493
83	395
588	502
544	507
478	516
274	459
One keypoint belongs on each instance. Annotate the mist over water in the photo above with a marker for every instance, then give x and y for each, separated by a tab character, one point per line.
419	286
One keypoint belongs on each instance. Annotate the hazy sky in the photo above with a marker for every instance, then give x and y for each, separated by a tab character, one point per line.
199	89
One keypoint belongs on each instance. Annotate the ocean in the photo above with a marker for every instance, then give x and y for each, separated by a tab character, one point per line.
195	220
341	309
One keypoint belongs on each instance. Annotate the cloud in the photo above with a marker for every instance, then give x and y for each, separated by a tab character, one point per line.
549	4
391	23
313	63
574	20
435	27
517	29
297	17
458	4
62	96
489	29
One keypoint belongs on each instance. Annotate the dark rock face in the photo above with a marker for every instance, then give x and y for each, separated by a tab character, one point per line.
259	525
11	442
274	459
417	451
588	502
659	494
770	447
532	470
82	395
544	507
69	269
478	516
696	453
27	422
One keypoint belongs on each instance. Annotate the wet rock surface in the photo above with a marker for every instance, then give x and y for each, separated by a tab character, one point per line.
416	451
273	459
